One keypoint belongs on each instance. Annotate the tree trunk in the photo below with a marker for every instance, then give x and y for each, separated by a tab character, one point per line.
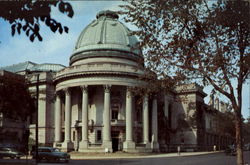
238	127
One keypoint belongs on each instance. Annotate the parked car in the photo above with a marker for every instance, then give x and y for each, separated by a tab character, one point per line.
10	152
230	150
51	154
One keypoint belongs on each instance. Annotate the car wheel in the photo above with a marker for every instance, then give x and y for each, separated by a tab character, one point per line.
66	161
57	159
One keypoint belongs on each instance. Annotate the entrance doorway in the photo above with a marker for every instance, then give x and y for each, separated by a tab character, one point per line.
115	140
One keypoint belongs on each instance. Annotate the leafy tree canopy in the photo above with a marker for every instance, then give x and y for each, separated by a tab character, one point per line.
15	99
203	42
28	15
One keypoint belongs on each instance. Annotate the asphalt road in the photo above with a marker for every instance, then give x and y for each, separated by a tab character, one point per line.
209	159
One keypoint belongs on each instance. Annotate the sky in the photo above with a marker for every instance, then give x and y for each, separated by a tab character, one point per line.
57	48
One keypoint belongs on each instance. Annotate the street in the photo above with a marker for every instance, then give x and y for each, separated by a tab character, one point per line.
208	159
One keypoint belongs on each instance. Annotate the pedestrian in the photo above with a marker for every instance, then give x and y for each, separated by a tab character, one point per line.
214	147
179	150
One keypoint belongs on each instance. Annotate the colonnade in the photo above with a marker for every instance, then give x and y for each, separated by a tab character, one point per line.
128	145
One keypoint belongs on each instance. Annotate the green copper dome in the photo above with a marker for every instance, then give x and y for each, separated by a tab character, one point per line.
108	37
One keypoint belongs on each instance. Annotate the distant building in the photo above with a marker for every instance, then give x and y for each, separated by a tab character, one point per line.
12	128
89	106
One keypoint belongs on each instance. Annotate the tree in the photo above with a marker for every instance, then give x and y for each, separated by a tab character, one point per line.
28	15
203	42
227	128
15	99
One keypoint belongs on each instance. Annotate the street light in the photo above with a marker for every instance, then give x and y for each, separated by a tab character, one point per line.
37	98
36	114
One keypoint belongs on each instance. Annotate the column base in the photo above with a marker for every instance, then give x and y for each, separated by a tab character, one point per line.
155	147
107	145
83	145
129	146
67	146
147	145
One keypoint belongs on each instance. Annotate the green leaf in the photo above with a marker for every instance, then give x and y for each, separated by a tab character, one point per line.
32	37
66	29
13	29
39	37
19	26
36	28
27	32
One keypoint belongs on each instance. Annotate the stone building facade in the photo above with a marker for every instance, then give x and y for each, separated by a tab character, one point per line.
89	106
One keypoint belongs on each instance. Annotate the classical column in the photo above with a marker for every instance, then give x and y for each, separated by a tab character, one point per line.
129	143
154	143
106	119
84	143
145	121
67	144
58	126
166	105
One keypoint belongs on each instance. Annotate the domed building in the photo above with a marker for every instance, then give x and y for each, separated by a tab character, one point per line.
90	105
94	91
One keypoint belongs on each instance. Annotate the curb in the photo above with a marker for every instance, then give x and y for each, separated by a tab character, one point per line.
169	155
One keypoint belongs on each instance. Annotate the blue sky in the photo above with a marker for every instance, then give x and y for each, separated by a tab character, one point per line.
57	48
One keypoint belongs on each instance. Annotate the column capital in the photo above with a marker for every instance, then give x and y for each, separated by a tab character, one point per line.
67	91
154	96
145	97
84	88
129	92
58	93
107	88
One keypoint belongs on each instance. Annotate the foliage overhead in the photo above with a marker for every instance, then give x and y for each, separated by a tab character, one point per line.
193	39
28	15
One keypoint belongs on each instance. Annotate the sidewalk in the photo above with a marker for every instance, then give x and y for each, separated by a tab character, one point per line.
122	155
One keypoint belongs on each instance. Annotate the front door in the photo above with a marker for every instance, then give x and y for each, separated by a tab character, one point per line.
115	140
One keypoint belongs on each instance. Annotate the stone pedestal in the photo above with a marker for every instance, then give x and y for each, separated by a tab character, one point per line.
147	145
67	146
83	145
128	146
107	145
155	147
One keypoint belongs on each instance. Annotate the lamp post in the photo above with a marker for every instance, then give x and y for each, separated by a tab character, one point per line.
37	98
36	114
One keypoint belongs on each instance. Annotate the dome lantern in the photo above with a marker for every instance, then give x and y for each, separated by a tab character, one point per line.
108	14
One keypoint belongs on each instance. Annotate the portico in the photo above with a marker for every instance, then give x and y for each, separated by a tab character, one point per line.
122	125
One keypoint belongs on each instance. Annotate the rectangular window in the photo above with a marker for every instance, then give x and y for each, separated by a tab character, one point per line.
115	111
114	115
74	135
99	135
